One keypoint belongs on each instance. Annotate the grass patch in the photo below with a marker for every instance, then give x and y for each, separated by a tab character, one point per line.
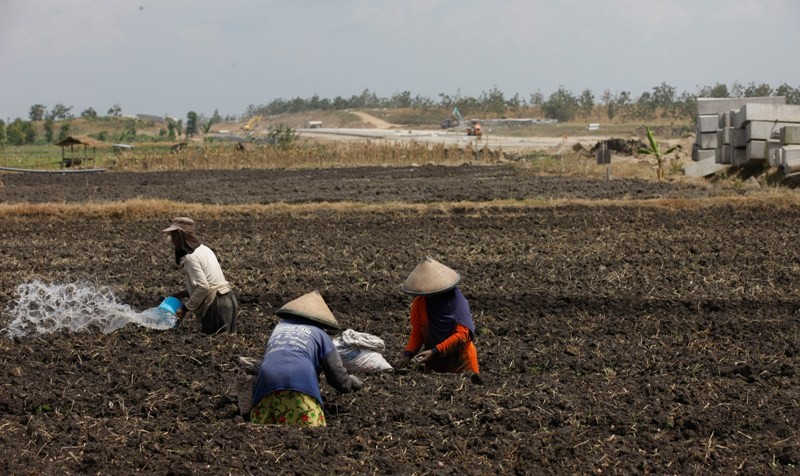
165	209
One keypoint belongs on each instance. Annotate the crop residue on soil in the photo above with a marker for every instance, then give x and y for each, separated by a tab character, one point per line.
613	339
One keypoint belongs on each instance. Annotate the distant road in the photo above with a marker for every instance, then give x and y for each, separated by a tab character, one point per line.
448	138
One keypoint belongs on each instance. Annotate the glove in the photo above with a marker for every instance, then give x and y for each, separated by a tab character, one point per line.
356	383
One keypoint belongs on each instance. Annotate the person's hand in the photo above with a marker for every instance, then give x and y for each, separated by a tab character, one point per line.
423	356
402	362
181	312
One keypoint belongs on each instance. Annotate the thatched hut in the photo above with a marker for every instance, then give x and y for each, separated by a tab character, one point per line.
75	156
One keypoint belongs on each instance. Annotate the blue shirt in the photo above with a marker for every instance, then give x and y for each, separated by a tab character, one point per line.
293	359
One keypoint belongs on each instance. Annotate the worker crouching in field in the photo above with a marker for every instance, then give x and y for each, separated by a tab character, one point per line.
441	322
287	388
208	295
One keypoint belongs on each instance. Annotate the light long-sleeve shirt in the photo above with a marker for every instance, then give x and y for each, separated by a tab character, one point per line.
204	279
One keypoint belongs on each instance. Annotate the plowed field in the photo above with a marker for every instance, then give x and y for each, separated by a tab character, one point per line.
657	335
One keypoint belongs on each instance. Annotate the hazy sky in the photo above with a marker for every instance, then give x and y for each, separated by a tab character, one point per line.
173	56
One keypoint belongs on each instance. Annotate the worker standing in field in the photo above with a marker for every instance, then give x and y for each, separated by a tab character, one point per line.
287	388
208	295
442	330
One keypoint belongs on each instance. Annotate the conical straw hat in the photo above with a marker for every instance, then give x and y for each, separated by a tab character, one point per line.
430	277
310	306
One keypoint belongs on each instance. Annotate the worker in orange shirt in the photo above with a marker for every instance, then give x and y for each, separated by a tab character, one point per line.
442	330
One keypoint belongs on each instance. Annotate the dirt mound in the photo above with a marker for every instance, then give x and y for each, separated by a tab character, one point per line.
619	146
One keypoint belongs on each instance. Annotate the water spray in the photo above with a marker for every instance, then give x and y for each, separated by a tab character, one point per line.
43	308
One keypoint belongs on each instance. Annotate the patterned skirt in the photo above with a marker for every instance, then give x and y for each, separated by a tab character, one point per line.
287	407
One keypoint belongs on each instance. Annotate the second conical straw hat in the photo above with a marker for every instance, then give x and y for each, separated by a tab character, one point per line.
310	306
430	277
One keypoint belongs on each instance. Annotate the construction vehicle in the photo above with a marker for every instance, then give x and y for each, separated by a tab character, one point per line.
472	126
251	124
454	122
474	129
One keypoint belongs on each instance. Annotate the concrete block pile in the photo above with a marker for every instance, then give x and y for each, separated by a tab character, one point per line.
787	155
719	137
762	125
746	132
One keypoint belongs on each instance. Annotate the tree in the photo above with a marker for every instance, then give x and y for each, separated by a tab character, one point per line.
663	96
191	124
422	102
655	151
114	111
618	103
61	112
367	100
179	127
645	107
792	94
515	103
586	103
63	133
493	102
719	90
737	90
757	90
401	100
314	102
129	131
561	105
37	112
445	101
686	105
171	129
49	129
21	132
89	113
537	99
3	137
282	136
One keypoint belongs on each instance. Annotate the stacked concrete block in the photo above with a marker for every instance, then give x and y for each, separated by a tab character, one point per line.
715	115
738	145
789	152
790	135
724	154
766	112
762	125
706	139
706	106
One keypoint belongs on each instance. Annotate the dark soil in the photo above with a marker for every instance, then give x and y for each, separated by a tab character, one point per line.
614	339
371	185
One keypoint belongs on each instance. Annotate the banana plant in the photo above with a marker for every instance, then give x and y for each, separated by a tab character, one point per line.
655	151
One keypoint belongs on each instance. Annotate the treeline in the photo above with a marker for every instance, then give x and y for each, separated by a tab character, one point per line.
563	105
48	126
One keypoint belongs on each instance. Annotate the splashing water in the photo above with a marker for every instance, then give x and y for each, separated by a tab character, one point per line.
46	308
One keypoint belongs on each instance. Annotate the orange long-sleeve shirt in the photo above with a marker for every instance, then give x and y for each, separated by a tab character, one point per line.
454	354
